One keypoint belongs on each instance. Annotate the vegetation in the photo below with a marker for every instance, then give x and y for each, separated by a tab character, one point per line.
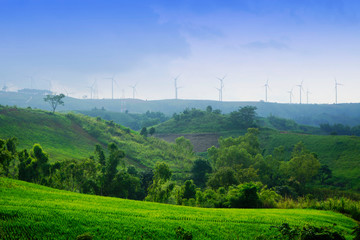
195	120
73	136
54	101
37	212
135	121
308	114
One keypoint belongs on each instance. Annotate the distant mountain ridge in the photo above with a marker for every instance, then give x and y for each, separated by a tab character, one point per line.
309	114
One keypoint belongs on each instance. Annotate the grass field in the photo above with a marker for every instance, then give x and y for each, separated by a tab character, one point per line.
57	134
73	136
340	153
30	211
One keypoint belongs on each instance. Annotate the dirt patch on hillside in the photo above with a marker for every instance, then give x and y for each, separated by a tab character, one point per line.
201	141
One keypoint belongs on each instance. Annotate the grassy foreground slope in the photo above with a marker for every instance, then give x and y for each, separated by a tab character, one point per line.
30	211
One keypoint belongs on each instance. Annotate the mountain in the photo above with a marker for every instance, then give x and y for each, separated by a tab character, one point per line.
309	114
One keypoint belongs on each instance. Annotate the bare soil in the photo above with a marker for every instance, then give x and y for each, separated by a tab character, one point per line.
201	141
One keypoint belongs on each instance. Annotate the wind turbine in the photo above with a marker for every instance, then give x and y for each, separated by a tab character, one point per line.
92	89
301	88
336	85
134	90
67	92
221	87
31	81
307	96
291	95
112	86
123	104
266	89
219	93
176	86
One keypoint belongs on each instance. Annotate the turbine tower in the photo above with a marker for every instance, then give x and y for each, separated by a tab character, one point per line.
291	95
301	88
307	96
112	86
134	90
266	90
92	89
123	104
219	93
336	88
221	88
176	86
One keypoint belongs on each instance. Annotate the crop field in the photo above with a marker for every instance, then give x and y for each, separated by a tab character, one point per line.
30	211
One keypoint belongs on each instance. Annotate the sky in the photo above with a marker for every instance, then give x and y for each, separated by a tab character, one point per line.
76	47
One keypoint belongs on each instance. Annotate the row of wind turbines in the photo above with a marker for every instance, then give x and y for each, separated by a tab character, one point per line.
300	86
94	91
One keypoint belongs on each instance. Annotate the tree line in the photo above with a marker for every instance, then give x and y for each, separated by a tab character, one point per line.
235	174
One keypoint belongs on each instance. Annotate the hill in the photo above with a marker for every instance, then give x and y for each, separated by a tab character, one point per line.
68	136
30	211
309	114
340	153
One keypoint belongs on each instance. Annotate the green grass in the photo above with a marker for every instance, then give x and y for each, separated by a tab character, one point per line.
340	153
31	211
73	136
57	134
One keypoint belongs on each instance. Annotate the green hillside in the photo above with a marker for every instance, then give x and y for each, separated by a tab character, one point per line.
68	136
30	211
340	153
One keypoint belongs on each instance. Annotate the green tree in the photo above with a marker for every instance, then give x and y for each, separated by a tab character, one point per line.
144	132
243	196
209	109
161	188
303	165
113	161
199	172
184	144
162	172
54	101
324	174
189	189
224	177
6	156
151	131
244	117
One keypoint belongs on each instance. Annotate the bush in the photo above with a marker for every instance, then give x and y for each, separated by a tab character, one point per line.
182	234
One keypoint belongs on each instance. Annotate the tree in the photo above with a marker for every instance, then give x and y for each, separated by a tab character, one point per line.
189	189
160	189
303	165
54	101
184	144
224	177
209	109
144	132
244	117
199	172
6	156
151	131
325	173
111	168
162	172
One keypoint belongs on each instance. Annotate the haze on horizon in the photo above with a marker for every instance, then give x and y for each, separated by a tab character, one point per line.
65	45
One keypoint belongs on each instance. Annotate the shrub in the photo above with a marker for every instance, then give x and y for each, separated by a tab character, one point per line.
182	234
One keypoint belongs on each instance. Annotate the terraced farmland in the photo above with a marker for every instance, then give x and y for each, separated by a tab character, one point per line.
30	211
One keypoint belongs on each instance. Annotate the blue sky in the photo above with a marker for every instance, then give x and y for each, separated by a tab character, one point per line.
66	45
